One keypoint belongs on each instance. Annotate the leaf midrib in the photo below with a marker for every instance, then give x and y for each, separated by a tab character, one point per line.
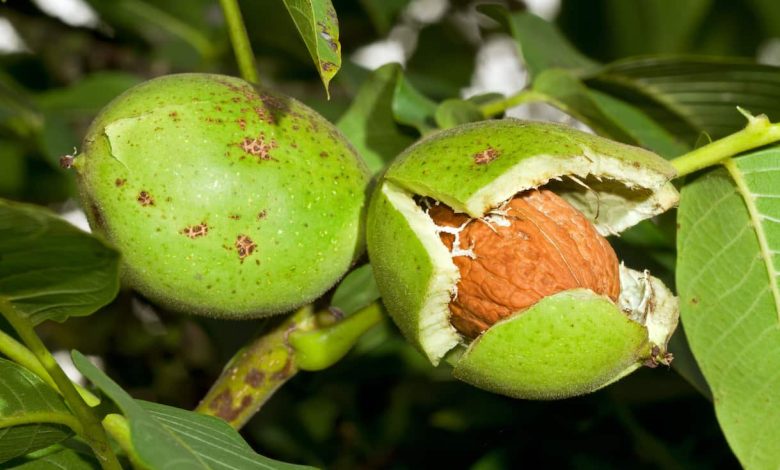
755	221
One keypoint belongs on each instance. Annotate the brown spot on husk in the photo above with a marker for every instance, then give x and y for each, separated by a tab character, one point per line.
271	101
145	199
195	231
486	156
264	115
120	182
97	216
259	147
244	247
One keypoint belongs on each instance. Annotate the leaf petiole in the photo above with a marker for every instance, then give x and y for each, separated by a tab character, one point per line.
758	132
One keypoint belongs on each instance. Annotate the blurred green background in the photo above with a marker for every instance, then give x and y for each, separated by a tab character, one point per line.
383	406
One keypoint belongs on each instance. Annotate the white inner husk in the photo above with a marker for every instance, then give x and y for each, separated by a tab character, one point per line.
612	194
621	196
647	301
439	336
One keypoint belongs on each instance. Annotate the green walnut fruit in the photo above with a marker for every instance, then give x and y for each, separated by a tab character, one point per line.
487	242
225	199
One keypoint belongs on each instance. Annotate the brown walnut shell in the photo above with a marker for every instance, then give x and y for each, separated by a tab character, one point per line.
533	246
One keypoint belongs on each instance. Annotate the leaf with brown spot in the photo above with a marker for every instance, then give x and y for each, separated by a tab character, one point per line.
318	26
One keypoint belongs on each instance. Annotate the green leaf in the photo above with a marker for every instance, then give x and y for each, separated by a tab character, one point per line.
645	131
87	96
17	110
690	95
728	262
369	124
55	457
454	111
81	100
57	139
541	44
50	270
166	438
484	98
685	363
383	13
768	12
412	108
443	60
159	21
32	415
605	114
319	27
356	290
13	170
660	26
569	94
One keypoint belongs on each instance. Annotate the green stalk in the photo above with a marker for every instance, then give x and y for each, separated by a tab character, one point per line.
16	352
65	419
240	40
302	342
494	108
118	427
255	372
321	348
758	132
93	432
